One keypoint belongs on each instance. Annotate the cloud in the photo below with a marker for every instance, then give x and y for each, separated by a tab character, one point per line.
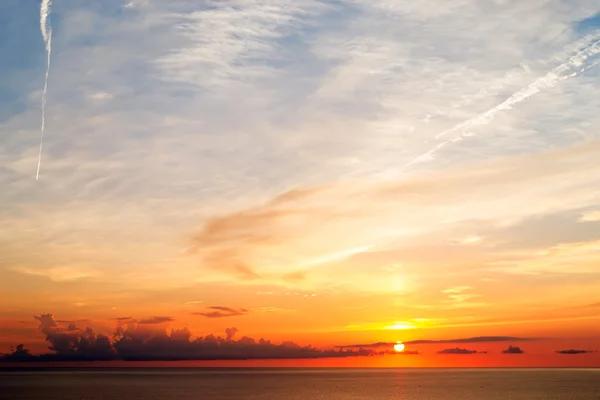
100	96
480	339
457	351
222	49
194	302
269	309
285	233
296	276
124	319
18	354
222	312
230	262
571	351
590	216
155	320
401	325
136	4
230	332
74	343
457	289
138	343
60	274
468	240
513	350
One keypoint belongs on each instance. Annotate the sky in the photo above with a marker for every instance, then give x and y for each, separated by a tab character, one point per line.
328	173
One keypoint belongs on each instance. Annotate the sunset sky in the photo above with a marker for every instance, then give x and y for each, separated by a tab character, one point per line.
323	172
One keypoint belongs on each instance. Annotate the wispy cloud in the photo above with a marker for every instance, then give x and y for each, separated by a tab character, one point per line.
222	312
577	64
590	216
231	44
155	320
457	289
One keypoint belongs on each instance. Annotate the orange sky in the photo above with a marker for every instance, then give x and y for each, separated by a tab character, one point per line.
302	178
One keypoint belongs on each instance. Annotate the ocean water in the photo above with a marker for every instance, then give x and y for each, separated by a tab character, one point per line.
296	384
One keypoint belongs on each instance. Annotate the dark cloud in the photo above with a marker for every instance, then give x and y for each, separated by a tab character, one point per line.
457	351
73	343
230	332
155	320
571	351
513	350
222	312
18	354
122	319
140	342
479	339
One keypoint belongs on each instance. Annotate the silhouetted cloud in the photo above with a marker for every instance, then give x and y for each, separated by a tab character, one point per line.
73	343
457	351
572	351
142	343
155	320
230	332
123	319
18	354
479	339
222	312
513	350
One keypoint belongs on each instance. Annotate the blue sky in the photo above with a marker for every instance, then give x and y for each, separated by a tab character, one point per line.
390	118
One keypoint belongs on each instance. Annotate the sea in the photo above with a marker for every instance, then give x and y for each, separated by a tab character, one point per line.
299	384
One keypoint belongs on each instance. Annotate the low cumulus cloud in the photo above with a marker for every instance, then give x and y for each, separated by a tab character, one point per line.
155	320
513	350
74	343
457	350
222	312
572	351
123	319
144	342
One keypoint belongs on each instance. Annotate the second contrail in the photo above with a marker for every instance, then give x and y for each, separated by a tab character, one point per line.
575	65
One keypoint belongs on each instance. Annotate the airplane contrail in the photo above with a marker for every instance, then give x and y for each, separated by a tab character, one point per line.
45	10
574	66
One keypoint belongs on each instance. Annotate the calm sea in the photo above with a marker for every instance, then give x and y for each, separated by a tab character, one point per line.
305	384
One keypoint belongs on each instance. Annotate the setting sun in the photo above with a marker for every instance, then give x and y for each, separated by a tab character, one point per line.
399	347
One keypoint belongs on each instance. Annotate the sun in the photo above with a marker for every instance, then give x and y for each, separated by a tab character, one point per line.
399	347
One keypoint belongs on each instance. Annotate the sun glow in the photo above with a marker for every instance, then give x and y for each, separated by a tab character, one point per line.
401	326
399	347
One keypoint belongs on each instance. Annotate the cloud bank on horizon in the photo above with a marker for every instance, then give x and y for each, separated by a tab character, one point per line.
138	340
261	154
